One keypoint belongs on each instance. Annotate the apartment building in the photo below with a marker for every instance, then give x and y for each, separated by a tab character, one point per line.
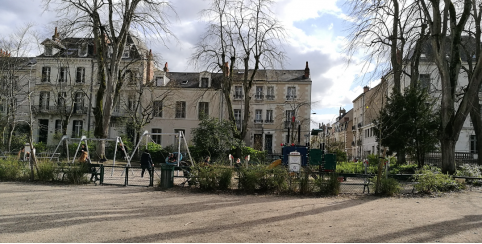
64	81
368	104
366	108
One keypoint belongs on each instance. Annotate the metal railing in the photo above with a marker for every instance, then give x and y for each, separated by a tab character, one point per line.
59	109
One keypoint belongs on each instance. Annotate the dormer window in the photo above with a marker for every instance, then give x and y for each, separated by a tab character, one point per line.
83	50
48	50
126	52
205	82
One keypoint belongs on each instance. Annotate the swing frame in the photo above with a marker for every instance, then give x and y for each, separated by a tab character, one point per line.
85	139
148	135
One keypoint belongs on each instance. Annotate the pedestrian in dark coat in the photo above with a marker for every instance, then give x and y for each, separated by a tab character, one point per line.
146	163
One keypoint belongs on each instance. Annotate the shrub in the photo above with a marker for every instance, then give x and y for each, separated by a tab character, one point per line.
12	169
225	178
249	179
403	169
46	171
330	186
214	177
340	155
431	180
254	155
40	147
469	170
373	160
75	174
388	186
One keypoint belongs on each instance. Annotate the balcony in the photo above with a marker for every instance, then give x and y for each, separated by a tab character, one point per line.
59	109
258	121
291	97
238	96
259	96
269	97
269	121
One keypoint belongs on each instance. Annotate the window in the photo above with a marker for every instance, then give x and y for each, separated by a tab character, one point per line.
291	95
77	128
237	117
131	103
61	99
44	100
156	138
204	82
425	81
259	93
63	74
180	109
129	77
48	50
258	116
83	50
126	52
289	115
80	75
473	144
45	74
238	92
269	116
117	106
203	110
58	126
79	102
157	109
270	93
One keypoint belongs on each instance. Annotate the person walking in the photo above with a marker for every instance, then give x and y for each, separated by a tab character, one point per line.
146	163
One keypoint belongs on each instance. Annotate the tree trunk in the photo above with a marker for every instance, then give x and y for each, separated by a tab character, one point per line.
477	123
448	155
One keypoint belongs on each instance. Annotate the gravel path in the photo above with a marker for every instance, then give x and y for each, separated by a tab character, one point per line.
58	213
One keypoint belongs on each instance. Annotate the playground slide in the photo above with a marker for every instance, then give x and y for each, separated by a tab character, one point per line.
274	164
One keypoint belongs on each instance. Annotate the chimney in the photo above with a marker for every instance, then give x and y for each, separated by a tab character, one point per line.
226	69
165	68
55	37
150	67
307	71
366	89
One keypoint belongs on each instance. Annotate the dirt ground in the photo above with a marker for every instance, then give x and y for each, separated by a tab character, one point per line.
59	213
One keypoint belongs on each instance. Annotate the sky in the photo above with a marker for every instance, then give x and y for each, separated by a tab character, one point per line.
317	34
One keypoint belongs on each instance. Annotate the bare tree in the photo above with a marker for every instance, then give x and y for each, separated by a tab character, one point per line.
471	50
14	71
246	34
110	22
446	22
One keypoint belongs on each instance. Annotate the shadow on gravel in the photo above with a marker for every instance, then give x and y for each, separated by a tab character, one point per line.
171	235
431	232
99	204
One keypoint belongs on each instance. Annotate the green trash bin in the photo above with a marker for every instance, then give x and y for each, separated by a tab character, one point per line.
167	176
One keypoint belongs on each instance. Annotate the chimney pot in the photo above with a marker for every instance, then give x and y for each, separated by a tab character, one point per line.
307	71
366	89
165	68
